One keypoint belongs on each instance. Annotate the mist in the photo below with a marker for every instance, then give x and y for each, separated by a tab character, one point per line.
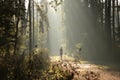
80	23
77	25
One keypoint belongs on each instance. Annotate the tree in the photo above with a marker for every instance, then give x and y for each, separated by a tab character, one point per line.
12	12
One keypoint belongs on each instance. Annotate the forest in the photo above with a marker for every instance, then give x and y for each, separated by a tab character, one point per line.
60	39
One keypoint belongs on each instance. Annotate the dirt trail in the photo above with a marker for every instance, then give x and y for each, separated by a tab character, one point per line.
82	71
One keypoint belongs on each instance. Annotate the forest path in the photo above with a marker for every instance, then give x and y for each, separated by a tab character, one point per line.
85	71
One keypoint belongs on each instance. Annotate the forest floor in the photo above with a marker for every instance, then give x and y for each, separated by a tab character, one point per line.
85	71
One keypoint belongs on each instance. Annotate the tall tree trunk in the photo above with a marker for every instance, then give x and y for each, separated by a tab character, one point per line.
33	23
16	35
113	20
117	13
108	20
17	23
38	27
30	39
102	7
108	36
30	33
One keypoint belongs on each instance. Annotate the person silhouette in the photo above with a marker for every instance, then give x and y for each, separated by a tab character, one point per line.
61	53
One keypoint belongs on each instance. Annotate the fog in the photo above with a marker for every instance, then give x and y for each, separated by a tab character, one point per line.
56	32
80	23
79	28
